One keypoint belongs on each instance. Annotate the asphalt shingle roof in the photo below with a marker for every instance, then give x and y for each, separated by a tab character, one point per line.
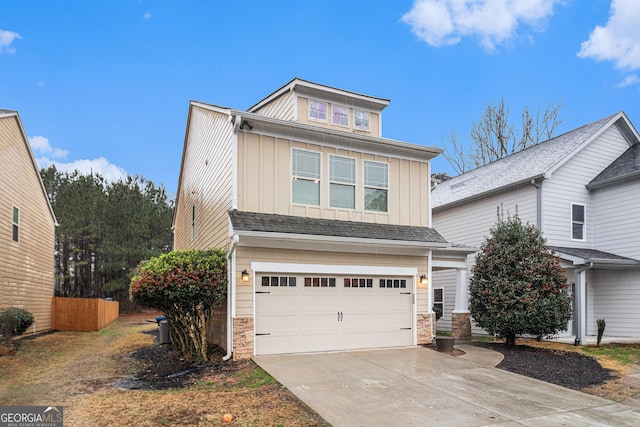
524	165
625	166
272	223
591	254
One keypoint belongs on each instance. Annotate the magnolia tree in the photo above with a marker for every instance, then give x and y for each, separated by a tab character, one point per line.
186	286
518	286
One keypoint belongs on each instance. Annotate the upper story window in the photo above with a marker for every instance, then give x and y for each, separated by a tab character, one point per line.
577	222
376	185
361	120
305	176
339	115
16	224
318	111
342	186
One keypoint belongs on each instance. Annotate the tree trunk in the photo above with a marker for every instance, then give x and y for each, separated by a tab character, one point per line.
511	340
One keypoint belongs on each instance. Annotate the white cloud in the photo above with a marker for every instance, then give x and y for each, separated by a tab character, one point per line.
101	166
6	38
40	146
619	39
46	156
494	22
629	80
147	15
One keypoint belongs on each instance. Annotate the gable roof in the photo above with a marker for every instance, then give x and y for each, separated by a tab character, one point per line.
535	162
624	168
316	90
9	114
296	225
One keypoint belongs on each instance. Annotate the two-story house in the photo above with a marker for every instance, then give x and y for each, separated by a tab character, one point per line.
327	223
27	227
582	190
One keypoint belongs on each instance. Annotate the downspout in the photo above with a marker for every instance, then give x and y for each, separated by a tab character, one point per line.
538	203
230	283
582	306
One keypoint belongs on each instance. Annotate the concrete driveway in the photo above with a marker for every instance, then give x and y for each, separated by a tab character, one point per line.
420	387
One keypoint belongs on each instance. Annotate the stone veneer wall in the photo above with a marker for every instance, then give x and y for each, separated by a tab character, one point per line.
461	326
426	329
242	338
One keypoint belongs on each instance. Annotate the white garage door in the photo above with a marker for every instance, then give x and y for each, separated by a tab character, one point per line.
306	313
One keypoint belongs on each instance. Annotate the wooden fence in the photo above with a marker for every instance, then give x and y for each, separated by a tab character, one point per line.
83	314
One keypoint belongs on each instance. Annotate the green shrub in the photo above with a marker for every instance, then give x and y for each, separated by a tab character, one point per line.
601	325
186	285
15	321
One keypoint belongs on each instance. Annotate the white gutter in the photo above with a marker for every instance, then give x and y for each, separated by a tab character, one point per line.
231	273
582	303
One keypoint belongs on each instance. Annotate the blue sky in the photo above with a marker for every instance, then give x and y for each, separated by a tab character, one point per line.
105	85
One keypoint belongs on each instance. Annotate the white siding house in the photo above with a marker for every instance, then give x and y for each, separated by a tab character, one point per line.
582	189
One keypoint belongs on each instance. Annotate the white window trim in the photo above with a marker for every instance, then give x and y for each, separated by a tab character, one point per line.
292	176
360	128
327	111
584	223
434	302
365	186
17	224
354	185
348	125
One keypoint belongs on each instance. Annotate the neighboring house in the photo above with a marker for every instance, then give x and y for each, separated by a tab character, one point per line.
27	227
327	223
582	189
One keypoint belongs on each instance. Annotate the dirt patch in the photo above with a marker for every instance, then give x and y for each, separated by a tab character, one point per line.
80	371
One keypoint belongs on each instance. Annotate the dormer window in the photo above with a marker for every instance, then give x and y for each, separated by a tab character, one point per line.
361	120
318	111
339	115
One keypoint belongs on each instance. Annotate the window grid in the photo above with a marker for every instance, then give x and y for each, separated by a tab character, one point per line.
318	111
340	116
361	120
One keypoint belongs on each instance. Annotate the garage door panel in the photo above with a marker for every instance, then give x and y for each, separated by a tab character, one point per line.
310	318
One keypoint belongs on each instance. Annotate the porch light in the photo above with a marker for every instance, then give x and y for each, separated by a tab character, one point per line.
245	276
423	280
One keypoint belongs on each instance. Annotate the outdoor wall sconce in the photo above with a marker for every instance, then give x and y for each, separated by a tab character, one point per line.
245	276
423	280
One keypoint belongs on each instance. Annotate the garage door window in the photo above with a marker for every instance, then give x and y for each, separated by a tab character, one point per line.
361	282
278	281
393	283
320	282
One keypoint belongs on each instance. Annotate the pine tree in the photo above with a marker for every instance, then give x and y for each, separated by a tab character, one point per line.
518	286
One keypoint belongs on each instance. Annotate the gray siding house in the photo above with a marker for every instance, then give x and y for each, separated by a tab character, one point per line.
582	189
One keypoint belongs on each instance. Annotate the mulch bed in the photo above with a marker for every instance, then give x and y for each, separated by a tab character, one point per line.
564	368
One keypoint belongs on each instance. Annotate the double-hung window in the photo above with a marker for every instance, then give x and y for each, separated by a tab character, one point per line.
361	120
16	224
318	111
376	185
305	176
438	299
339	115
342	177
577	222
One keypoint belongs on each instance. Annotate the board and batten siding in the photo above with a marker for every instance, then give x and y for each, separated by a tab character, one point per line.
616	299
207	182
283	107
264	183
303	117
567	185
26	267
615	224
247	255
